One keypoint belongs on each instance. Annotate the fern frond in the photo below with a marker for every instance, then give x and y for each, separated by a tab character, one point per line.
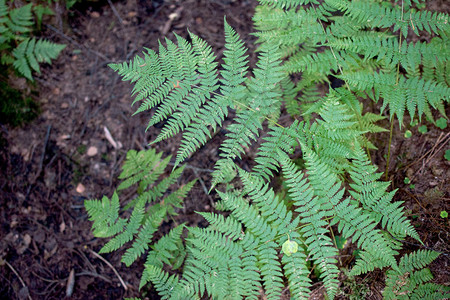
142	169
376	15
286	4
31	52
367	261
267	156
408	281
287	27
159	190
309	205
297	273
270	270
374	198
131	228
105	214
249	216
162	252
206	72
324	62
270	206
409	55
163	283
143	238
402	93
143	166
262	102
20	19
228	226
214	111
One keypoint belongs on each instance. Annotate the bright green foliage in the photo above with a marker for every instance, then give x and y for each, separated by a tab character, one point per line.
410	281
366	60
25	53
149	210
266	240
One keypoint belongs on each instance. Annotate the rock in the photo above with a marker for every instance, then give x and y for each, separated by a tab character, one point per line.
80	188
92	151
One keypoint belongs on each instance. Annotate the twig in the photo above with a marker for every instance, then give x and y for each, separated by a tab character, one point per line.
93	274
18	276
115	12
112	268
62	34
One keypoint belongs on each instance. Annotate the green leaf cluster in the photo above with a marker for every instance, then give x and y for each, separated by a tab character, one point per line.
17	46
260	240
139	220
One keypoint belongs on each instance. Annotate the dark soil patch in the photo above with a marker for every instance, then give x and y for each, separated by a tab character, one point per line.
48	170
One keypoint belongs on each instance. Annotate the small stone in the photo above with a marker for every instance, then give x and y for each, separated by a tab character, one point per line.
92	151
80	188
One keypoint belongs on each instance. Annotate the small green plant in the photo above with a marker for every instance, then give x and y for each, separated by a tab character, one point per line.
152	205
265	241
441	123
17	47
423	129
444	214
408	134
408	181
447	154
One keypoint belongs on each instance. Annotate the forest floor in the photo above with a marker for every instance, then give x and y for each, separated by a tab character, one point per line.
63	157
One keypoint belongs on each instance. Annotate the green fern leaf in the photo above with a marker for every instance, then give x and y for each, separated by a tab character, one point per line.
20	19
31	52
309	206
262	103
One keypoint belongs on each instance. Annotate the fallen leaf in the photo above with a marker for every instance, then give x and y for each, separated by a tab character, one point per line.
62	226
70	283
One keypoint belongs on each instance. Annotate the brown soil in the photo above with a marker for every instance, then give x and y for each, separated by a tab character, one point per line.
49	167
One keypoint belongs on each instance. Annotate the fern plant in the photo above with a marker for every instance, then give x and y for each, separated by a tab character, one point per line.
268	241
150	207
17	47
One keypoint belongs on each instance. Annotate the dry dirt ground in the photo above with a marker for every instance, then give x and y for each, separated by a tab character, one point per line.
51	165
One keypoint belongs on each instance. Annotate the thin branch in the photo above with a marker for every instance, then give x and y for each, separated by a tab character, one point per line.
115	12
112	268
18	276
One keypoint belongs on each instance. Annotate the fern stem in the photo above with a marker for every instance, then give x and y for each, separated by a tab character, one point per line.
389	149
